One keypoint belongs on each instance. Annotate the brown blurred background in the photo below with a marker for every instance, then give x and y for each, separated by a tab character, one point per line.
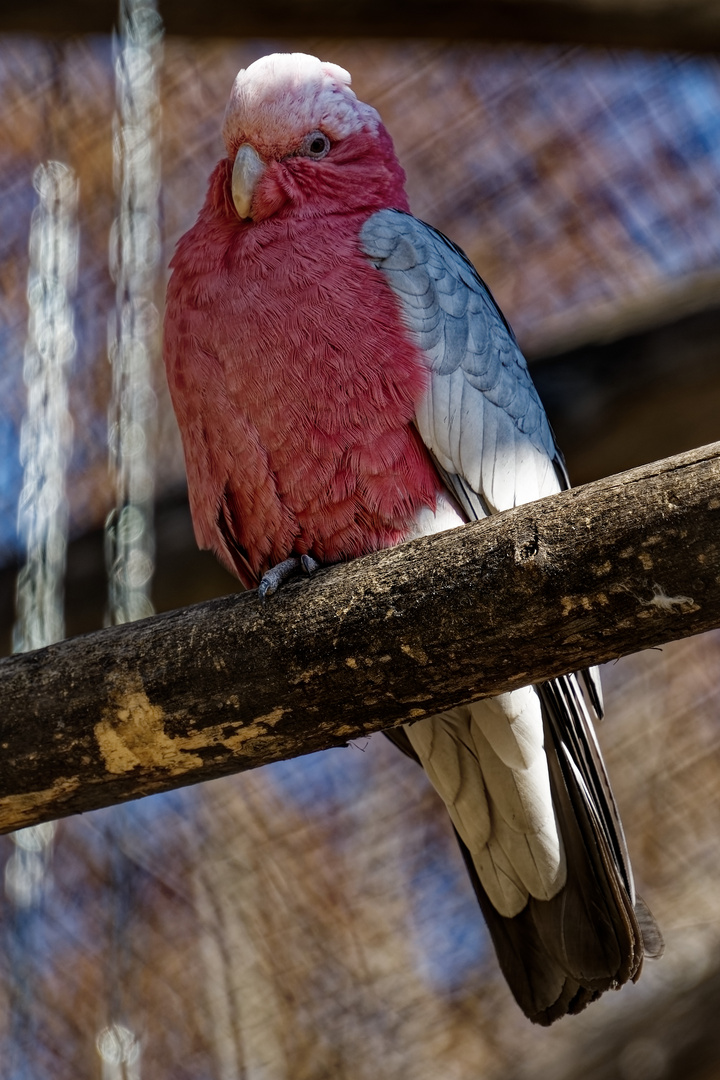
312	920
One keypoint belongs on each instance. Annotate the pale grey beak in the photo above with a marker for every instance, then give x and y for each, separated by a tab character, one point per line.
247	170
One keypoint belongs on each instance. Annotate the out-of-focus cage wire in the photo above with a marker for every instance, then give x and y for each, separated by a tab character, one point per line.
312	920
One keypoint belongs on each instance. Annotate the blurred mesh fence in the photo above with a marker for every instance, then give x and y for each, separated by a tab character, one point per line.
312	920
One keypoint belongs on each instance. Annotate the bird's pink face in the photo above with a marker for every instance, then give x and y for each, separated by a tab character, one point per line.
300	141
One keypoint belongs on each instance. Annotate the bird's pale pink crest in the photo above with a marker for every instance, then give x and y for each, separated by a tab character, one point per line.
279	98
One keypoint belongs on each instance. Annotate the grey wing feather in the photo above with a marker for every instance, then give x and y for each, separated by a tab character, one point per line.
481	418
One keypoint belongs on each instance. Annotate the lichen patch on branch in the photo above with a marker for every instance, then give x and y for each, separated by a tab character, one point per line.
17	811
132	735
233	736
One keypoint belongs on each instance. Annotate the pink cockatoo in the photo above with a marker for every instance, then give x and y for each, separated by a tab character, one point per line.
343	380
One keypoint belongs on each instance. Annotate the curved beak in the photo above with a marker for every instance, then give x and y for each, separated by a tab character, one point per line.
247	170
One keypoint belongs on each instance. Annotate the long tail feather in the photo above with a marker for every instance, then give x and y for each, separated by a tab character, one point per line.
560	954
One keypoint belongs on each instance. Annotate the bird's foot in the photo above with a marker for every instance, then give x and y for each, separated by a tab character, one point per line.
278	574
309	564
273	578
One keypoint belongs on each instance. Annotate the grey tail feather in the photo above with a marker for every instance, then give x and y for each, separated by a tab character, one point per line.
594	693
653	941
573	737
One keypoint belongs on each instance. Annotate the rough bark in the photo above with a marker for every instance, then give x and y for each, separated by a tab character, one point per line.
622	564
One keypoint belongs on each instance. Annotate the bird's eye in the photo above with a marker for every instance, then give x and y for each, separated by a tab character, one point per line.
315	145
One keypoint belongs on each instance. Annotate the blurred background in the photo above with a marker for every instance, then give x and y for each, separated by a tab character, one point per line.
312	920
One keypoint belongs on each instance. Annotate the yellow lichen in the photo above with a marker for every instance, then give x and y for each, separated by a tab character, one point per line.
17	811
132	734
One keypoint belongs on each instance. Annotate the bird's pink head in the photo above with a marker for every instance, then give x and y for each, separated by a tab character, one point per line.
300	142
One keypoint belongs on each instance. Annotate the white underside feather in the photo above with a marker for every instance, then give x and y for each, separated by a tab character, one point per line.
503	813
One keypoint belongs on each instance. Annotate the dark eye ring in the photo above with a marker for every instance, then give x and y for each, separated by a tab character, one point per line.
315	145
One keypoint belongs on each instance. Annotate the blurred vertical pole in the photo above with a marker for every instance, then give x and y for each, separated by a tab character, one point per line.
133	342
119	1052
133	337
46	433
45	444
246	1009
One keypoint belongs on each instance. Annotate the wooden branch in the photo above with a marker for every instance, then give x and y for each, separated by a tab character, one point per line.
602	570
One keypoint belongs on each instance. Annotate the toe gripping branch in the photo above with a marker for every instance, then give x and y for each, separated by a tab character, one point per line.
277	575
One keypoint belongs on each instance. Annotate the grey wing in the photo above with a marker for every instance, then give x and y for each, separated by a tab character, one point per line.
481	417
543	842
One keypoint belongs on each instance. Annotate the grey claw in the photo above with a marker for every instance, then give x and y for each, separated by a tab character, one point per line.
276	575
309	564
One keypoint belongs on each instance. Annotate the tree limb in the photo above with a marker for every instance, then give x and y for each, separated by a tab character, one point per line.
622	564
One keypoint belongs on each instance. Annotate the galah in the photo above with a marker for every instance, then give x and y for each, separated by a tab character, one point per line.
343	380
